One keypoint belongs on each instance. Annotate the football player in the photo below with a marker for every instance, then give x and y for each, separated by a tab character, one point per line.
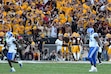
11	44
94	44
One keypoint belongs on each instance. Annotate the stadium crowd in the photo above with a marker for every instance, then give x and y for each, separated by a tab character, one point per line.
34	22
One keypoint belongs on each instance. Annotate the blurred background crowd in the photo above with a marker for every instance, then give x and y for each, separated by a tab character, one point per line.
38	22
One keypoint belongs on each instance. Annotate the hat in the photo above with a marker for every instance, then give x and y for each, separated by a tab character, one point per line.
108	35
68	24
66	35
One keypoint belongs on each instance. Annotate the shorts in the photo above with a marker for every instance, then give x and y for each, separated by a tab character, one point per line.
75	49
64	50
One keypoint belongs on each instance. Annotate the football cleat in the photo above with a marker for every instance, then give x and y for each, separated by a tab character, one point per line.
20	64
12	70
93	69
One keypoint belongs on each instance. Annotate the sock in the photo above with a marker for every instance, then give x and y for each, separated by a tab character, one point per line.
94	65
75	56
78	56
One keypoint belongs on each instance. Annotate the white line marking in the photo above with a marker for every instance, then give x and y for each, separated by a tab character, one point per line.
87	62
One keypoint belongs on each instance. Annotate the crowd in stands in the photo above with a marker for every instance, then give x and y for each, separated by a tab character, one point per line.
33	22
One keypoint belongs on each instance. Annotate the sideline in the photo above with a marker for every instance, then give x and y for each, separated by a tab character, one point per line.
86	62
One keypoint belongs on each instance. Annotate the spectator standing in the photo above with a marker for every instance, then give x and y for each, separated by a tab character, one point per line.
59	42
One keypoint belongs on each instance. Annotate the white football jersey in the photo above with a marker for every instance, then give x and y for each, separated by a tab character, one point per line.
92	40
10	44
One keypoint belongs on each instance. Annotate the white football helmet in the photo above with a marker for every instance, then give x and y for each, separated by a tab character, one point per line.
90	30
9	34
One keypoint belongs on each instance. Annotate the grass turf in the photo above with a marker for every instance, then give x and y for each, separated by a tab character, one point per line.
54	68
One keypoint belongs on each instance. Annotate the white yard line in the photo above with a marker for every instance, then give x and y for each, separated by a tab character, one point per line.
87	62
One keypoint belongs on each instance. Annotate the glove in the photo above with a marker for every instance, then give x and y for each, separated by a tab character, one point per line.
100	50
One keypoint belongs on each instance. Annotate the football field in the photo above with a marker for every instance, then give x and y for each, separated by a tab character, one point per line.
55	68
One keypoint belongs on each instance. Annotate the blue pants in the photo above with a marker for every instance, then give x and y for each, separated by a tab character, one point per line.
93	55
10	56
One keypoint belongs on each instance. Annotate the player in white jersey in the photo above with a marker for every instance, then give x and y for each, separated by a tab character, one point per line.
94	44
11	46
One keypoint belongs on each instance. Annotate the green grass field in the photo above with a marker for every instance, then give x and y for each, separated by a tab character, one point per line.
54	68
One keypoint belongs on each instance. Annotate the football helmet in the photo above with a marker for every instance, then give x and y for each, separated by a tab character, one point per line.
90	30
9	34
